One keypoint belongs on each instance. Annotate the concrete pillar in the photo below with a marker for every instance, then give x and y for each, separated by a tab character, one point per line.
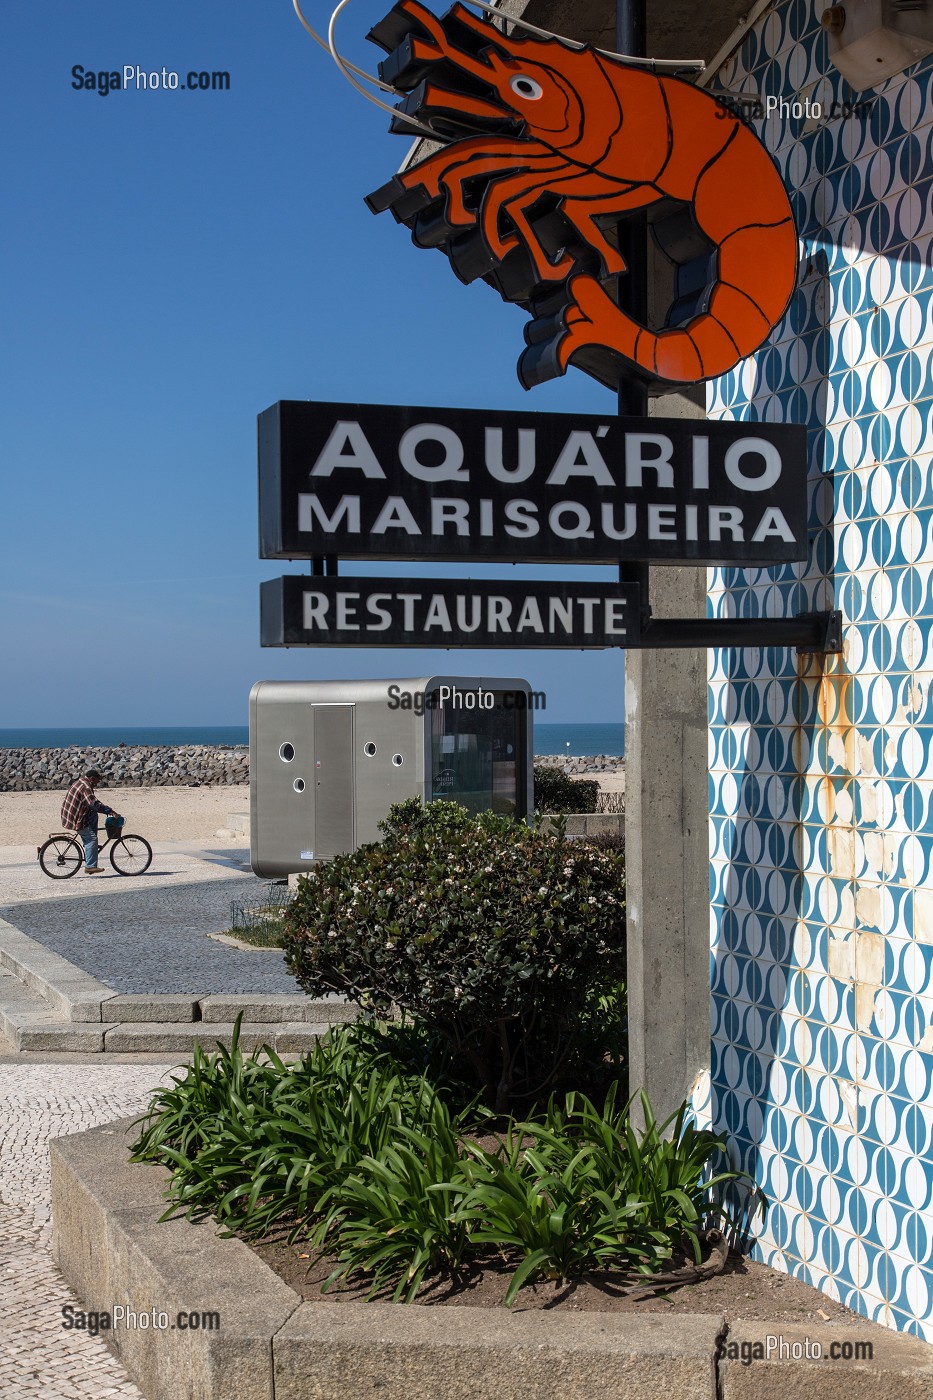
666	843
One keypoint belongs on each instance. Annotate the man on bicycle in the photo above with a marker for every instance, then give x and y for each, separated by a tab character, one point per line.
79	813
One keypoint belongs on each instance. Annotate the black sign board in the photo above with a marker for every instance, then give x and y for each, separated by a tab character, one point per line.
370	481
366	612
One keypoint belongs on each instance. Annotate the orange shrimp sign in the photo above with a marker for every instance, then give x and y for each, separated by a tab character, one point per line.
549	147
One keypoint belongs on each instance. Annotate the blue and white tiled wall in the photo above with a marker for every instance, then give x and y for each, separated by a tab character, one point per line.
821	769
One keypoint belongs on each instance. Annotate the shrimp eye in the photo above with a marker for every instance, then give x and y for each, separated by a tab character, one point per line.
526	87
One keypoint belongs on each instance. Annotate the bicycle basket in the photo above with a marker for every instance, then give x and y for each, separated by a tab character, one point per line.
114	826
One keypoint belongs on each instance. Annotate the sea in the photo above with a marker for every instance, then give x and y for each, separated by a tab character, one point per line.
576	739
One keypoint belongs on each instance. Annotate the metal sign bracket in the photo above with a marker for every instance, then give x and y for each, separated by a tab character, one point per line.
810	632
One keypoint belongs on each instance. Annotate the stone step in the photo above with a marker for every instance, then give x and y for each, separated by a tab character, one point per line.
68	992
176	1037
262	1008
154	1007
272	1007
48	1004
20	1006
26	1028
77	1037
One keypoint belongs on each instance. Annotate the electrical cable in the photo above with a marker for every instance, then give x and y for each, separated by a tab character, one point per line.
377	82
345	70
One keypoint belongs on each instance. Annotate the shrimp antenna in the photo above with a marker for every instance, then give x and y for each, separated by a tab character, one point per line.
352	73
349	69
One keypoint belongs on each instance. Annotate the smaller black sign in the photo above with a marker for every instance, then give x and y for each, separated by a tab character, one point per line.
332	612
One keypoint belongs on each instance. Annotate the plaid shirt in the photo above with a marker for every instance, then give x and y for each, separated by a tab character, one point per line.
78	805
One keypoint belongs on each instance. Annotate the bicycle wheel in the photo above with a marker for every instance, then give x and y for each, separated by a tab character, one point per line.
61	857
130	855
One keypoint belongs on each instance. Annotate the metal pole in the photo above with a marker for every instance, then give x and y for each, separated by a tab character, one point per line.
633	285
630	28
633	231
666	812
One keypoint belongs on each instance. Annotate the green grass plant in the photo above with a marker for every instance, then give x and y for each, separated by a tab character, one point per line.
362	1150
395	1216
254	1141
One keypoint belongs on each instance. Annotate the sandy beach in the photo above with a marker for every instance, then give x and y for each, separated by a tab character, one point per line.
159	814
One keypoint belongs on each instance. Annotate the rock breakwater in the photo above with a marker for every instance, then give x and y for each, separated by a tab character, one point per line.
576	764
187	765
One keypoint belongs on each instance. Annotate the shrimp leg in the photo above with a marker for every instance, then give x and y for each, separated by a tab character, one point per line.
476	155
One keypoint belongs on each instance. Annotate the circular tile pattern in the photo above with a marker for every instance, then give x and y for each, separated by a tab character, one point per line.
840	1121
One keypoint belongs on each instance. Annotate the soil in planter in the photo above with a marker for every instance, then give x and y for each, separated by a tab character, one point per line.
745	1291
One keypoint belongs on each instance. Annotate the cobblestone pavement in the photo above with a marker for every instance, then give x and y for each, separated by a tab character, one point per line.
152	938
38	1359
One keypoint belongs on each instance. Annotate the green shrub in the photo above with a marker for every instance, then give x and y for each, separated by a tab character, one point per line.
555	792
607	841
490	932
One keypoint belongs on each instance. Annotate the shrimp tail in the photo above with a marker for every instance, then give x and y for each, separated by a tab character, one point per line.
590	330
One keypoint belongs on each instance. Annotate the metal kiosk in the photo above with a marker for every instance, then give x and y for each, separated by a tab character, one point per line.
328	758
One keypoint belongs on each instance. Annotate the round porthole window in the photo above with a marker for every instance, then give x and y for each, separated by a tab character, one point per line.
299	784
369	749
286	752
398	760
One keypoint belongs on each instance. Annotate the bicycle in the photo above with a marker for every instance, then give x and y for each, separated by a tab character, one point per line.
62	855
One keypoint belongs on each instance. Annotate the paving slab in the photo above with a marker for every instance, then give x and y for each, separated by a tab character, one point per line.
354	1349
784	1361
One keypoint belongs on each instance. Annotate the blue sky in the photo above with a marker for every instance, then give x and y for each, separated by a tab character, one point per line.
174	262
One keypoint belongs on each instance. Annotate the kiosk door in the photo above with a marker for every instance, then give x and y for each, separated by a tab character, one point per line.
334	780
